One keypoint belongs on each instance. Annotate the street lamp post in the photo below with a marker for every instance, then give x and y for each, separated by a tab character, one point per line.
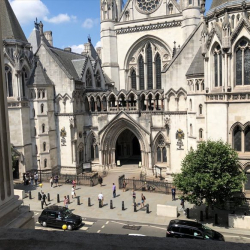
38	164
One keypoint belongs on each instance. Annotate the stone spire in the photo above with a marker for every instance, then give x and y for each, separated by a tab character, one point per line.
11	28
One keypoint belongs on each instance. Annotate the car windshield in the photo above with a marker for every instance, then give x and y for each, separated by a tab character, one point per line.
67	213
208	231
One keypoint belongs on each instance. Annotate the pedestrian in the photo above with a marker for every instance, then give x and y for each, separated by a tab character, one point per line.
32	180
100	180
114	190
24	179
56	180
124	184
100	198
173	191
66	201
36	178
74	183
143	198
44	197
134	196
73	192
27	178
183	205
51	181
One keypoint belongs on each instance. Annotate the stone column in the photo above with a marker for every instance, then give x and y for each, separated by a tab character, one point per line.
74	151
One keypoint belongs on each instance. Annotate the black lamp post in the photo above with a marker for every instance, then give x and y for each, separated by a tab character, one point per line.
38	163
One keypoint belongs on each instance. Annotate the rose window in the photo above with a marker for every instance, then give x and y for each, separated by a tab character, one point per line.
148	6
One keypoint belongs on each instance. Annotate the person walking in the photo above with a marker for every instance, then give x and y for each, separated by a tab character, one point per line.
51	181
173	191
124	184
100	180
36	178
114	190
73	192
44	197
134	196
31	180
143	198
66	201
100	199
183	205
74	183
56	180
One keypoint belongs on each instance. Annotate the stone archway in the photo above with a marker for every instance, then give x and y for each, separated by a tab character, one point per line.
110	134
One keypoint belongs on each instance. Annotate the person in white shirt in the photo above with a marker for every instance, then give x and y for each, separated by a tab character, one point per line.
100	198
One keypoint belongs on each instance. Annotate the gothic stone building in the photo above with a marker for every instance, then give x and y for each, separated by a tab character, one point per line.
166	78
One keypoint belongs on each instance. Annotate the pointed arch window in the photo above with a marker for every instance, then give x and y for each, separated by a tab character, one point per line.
34	131
158	71
141	72
200	109
24	78
43	128
149	67
161	150
133	79
98	79
45	163
43	93
247	139
34	113
42	108
243	63
237	138
44	146
217	67
88	78
8	80
200	133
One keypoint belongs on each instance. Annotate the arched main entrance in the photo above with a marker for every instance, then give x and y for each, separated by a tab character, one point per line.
128	149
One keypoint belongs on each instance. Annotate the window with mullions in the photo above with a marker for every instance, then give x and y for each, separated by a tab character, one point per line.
237	138
243	63
141	72
24	78
98	79
133	79
247	139
8	80
158	71
149	67
217	67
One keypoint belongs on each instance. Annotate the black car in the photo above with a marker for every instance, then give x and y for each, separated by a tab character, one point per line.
192	230
56	216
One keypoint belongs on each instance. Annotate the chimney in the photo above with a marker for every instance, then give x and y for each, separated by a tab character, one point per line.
67	49
48	36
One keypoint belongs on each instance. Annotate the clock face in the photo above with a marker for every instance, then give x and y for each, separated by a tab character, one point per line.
148	6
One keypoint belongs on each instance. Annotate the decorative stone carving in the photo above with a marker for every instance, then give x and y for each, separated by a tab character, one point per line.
180	136
167	122
63	135
147	6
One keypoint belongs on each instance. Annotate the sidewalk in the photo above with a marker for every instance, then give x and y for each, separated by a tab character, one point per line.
117	214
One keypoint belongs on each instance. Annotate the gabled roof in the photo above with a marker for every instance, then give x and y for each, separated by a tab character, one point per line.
78	65
11	28
39	76
197	66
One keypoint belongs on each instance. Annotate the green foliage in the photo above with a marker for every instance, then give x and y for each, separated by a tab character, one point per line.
210	175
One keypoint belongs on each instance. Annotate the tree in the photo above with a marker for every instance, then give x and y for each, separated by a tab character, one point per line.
210	175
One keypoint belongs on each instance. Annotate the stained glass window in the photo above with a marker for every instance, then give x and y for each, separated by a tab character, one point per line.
247	139
141	72
215	70
158	154
158	71
239	67
133	79
237	138
164	155
247	66
149	67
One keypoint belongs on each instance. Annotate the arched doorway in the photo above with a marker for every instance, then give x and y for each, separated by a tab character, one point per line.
128	149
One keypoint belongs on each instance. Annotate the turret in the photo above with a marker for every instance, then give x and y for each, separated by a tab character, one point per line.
204	36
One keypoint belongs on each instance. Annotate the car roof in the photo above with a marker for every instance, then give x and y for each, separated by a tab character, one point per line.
186	223
55	208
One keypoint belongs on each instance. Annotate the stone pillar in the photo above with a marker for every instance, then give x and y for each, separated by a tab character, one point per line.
74	151
95	106
146	104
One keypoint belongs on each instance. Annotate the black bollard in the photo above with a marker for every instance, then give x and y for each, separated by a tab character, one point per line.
48	197
187	210
30	195
135	207
39	196
216	219
100	203
58	198
68	198
78	200
201	215
123	208
147	209
42	204
89	202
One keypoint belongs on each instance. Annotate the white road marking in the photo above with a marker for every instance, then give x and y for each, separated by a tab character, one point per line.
88	223
107	222
83	228
98	231
36	213
118	223
103	226
159	228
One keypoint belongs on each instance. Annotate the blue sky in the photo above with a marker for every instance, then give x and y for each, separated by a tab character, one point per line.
71	21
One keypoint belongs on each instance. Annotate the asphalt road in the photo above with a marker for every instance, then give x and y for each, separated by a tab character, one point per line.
117	227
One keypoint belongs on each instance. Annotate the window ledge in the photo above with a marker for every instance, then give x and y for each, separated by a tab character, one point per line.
200	117
192	137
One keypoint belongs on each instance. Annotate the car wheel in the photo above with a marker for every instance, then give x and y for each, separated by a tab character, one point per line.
70	227
44	224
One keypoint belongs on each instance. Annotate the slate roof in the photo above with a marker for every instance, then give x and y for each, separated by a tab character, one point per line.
11	28
220	4
39	76
78	65
197	66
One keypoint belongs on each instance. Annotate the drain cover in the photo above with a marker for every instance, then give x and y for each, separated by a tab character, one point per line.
131	227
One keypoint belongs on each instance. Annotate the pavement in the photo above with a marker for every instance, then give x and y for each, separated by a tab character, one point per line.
117	214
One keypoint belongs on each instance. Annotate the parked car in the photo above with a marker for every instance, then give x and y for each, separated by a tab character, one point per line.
192	230
56	216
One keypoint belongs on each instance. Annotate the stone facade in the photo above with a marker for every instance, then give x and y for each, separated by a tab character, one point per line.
166	78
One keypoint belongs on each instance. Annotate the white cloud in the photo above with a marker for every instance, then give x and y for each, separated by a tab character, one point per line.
77	48
27	11
98	44
89	23
61	18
